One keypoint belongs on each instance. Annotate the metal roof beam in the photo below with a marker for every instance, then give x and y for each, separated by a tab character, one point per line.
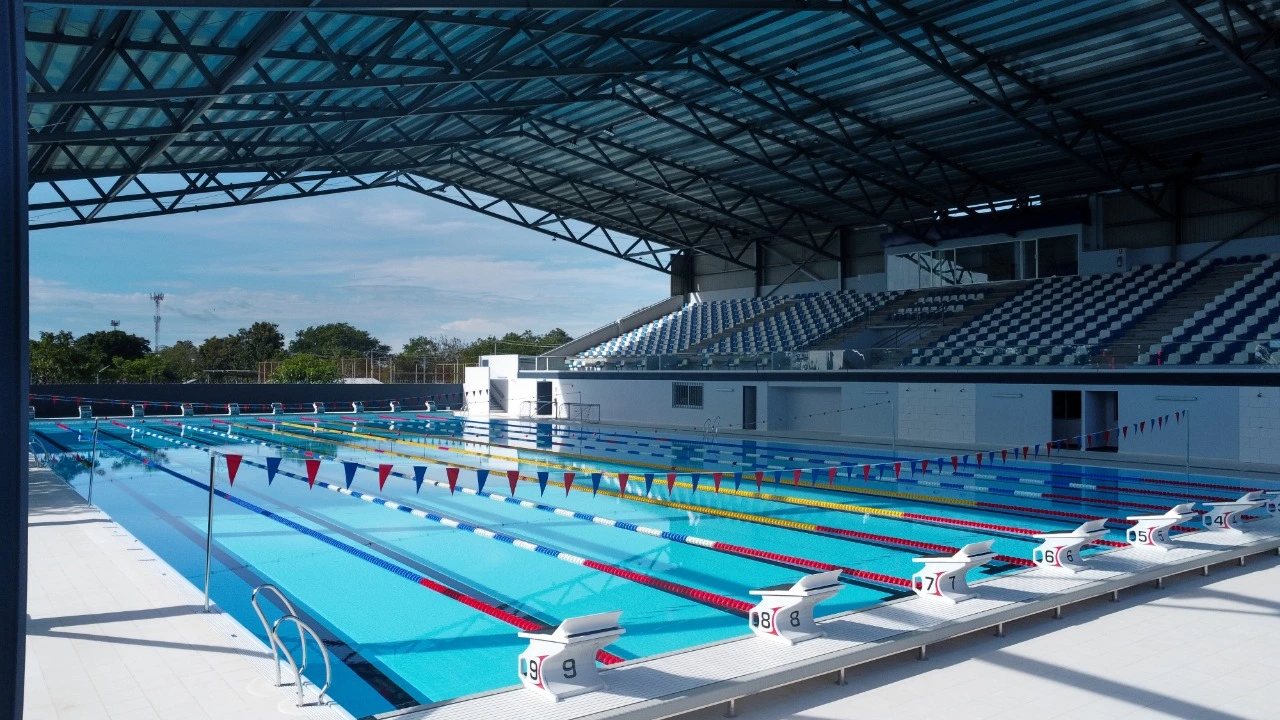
552	224
1077	136
356	6
1237	49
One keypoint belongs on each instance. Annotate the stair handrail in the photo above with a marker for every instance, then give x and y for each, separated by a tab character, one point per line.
276	645
298	670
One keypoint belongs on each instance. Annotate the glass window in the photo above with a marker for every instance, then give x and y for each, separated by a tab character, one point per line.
1058	256
686	395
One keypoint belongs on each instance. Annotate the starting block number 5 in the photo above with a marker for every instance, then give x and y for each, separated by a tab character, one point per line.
768	621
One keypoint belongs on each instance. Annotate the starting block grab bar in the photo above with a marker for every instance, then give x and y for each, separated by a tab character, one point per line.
943	578
1227	515
1060	552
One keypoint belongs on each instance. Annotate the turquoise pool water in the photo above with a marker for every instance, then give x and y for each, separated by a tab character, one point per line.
398	596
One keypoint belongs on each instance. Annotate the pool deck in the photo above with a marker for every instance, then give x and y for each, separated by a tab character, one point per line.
114	633
738	669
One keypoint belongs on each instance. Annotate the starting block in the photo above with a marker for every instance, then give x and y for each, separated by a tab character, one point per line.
562	663
395	406
1153	530
86	412
1272	500
233	408
139	411
187	410
1226	515
785	612
1061	551
317	407
357	407
944	577
277	409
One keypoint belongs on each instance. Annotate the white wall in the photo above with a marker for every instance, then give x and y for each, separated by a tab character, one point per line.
1229	424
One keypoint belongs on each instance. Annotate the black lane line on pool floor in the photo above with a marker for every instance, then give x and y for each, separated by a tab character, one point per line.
390	690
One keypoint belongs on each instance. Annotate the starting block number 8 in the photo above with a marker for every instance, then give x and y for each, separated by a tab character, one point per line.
768	621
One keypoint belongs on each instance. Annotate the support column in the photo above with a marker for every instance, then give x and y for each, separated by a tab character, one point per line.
758	264
13	362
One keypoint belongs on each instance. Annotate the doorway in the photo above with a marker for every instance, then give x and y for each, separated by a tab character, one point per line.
544	398
748	407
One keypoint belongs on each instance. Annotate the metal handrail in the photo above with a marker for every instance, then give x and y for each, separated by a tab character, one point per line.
276	645
297	671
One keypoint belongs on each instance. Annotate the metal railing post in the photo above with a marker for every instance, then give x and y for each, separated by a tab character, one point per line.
93	459
208	540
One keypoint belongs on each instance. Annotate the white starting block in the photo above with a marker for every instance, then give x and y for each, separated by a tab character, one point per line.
317	407
1272	501
562	663
1061	551
1226	515
139	411
187	409
944	577
233	408
277	409
785	612
86	412
429	406
1153	530
395	406
357	407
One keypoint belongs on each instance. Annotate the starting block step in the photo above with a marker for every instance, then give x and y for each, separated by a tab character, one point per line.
1153	530
785	612
943	578
1061	551
1226	515
562	663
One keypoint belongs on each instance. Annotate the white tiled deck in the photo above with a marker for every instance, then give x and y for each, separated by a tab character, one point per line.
745	667
114	633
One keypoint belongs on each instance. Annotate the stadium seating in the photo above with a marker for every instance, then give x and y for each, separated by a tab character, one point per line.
1228	328
1061	320
804	322
677	331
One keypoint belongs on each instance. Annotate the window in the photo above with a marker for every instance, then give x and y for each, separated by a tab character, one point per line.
686	395
1066	405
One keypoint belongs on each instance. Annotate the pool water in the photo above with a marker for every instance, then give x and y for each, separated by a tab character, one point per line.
419	594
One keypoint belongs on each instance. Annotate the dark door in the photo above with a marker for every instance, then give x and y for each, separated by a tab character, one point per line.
748	407
544	397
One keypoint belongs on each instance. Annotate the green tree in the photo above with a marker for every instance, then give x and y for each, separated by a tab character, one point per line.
336	340
104	346
55	358
151	368
306	368
181	361
260	341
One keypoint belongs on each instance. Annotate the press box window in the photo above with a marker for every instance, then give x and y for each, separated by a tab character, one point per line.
686	395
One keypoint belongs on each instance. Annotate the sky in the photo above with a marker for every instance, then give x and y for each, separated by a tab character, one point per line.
387	260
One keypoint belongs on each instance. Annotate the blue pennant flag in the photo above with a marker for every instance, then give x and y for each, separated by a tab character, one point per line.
648	483
777	477
737	480
693	479
481	476
1037	451
813	476
542	481
273	465
595	482
419	474
350	469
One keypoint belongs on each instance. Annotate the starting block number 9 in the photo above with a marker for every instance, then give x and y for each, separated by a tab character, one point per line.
532	669
767	621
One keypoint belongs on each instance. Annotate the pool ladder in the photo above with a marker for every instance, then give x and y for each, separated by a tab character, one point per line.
278	646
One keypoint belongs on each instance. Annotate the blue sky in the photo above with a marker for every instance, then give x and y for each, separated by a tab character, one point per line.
387	260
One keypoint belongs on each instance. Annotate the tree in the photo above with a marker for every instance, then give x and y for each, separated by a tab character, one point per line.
151	368
221	353
181	361
55	358
259	342
104	346
306	368
336	340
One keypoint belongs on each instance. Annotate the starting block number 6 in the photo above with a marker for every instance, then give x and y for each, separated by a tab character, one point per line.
1051	557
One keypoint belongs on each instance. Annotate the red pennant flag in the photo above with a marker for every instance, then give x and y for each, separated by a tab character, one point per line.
796	474
568	483
671	483
759	479
866	473
1048	448
1124	431
1025	448
513	479
715	479
313	467
1106	437
831	477
979	461
924	467
622	483
955	463
1160	422
452	472
1142	426
1177	416
897	470
233	466
383	471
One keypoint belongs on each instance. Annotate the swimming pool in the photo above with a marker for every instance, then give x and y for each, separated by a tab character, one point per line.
419	591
